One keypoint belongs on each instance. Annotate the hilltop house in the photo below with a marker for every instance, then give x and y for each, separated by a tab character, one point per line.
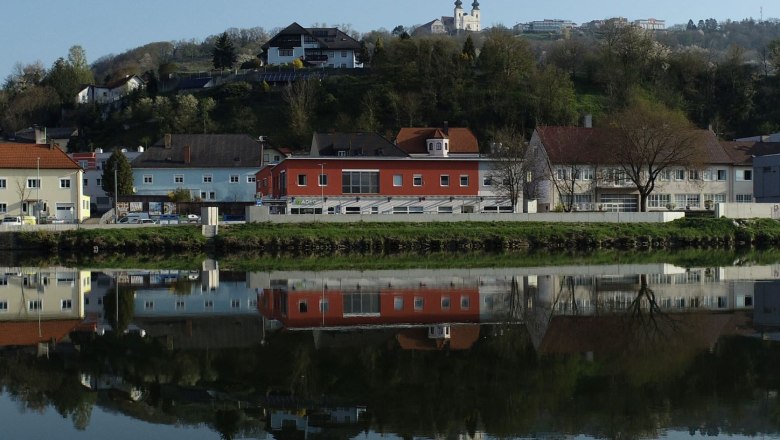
320	47
212	167
41	181
111	92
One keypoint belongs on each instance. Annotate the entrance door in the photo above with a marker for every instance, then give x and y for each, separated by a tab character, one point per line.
619	202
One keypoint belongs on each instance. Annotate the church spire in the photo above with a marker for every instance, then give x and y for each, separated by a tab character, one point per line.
475	5
458	4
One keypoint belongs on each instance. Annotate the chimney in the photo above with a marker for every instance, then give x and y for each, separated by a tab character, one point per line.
587	121
187	154
167	141
446	129
40	135
51	145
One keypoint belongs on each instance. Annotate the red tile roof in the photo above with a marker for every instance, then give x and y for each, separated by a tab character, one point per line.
25	333
573	145
25	156
412	140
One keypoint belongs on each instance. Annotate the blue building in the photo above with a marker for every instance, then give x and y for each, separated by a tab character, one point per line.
212	167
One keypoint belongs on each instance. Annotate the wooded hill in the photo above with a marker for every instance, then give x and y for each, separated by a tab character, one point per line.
720	75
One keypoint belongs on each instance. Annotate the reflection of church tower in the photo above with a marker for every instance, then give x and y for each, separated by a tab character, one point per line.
475	15
458	15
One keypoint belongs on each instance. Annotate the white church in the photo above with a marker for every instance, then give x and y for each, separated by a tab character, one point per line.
460	21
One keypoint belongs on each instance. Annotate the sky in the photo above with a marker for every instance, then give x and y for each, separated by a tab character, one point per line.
43	30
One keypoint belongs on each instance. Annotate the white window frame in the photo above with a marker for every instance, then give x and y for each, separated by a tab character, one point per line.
148	179
417	180
64	183
3	207
33	182
251	178
322	180
208	178
234	178
3	183
302	180
178	178
464	180
444	180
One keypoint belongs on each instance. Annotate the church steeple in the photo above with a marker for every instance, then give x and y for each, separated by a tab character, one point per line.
475	6
458	4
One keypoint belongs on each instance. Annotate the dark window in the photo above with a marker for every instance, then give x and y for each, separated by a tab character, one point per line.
360	182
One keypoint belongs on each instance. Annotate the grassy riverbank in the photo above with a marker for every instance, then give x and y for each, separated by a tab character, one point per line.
394	238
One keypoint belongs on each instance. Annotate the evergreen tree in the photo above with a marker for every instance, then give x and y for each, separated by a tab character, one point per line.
224	53
124	175
469	50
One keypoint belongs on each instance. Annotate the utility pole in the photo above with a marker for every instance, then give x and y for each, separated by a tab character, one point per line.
116	197
321	181
38	193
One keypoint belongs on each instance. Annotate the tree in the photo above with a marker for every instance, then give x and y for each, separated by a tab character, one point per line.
514	167
647	138
117	161
554	97
224	53
469	50
300	96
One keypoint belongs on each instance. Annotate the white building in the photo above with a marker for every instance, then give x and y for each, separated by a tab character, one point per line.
651	24
320	47
111	92
463	21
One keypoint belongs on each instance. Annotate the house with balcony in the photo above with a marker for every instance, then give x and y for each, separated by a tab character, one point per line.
582	173
211	167
43	182
362	173
317	47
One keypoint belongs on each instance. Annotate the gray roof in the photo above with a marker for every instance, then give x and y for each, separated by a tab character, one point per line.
206	151
354	144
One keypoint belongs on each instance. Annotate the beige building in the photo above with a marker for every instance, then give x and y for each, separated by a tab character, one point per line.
43	182
580	173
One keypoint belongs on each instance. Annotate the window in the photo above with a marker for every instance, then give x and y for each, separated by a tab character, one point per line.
417	180
33	183
360	182
234	178
342	153
693	175
464	180
67	304
178	178
359	303
444	180
3	183
99	182
398	180
251	179
744	175
722	175
444	209
398	303
678	174
34	304
487	181
445	302
301	179
235	304
715	198
179	305
3	306
324	305
285	52
419	303
148	179
688	200
744	198
86	183
148	305
209	304
3	207
562	174
430	146
323	180
207	178
658	200
465	302
438	145
585	174
83	164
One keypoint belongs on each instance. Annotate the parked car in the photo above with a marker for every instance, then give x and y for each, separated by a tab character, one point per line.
145	221
134	217
12	220
169	219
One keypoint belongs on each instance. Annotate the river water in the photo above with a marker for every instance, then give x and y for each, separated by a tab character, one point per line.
607	351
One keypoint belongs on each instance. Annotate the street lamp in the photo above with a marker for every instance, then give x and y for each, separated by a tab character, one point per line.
321	181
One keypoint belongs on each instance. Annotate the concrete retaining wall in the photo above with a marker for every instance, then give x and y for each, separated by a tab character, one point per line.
747	210
260	214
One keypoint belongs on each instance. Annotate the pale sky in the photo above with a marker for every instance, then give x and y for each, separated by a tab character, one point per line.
43	30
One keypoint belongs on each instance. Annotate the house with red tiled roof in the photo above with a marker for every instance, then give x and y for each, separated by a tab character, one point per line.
438	142
583	173
43	182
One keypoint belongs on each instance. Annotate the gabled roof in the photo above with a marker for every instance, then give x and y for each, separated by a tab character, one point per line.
412	140
206	151
742	152
354	144
26	333
327	38
122	81
572	145
26	156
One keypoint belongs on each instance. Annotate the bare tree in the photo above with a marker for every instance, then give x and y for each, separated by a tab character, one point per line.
23	192
300	96
648	138
514	166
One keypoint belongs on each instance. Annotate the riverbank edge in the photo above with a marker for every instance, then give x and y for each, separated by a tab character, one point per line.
323	239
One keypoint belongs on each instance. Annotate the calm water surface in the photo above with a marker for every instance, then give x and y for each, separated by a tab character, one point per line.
620	351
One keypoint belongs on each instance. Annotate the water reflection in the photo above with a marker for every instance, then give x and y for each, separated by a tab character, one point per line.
634	351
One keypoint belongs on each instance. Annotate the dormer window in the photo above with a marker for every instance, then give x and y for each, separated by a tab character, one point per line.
430	146
438	145
342	153
446	146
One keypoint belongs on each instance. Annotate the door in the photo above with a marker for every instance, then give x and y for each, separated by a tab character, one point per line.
65	211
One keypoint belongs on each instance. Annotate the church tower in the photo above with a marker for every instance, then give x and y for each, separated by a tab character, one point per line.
458	17
475	15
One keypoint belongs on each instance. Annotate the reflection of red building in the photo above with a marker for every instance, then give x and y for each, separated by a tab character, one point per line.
30	333
375	307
